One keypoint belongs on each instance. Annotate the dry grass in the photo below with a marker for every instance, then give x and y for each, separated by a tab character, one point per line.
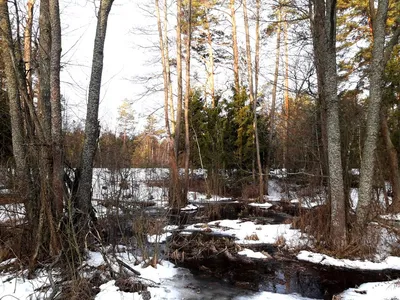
252	237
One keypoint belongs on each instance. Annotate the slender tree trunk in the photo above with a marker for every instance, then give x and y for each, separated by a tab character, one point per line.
377	68
393	163
28	44
323	24
164	58
17	130
175	192
253	101
84	195
210	67
273	102
55	99
286	91
168	69
235	47
187	99
44	68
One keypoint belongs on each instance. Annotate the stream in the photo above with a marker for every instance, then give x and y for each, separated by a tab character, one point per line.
215	277
211	276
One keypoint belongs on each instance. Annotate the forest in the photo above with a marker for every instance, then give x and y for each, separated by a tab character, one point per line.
275	146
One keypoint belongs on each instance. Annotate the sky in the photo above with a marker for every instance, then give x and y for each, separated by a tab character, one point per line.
123	59
127	55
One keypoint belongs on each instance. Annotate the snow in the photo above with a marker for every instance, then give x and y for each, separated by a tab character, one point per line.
308	202
158	238
391	217
261	205
391	262
253	254
272	296
389	290
249	232
95	259
189	207
12	213
21	288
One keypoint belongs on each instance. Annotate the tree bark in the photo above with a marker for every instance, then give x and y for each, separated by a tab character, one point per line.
323	24
376	73
17	130
187	99
235	47
273	100
393	163
28	44
210	67
286	91
253	101
55	99
164	59
84	195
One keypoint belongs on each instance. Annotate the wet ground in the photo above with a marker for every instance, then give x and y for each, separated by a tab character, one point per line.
283	273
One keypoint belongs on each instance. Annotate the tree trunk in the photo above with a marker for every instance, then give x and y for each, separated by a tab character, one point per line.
187	99
210	67
253	101
323	24
175	193
164	59
55	99
168	68
17	130
84	195
286	90
235	47
28	44
377	68
393	163
273	101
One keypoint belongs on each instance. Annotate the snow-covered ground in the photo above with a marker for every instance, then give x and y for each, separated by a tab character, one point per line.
248	232
390	262
389	290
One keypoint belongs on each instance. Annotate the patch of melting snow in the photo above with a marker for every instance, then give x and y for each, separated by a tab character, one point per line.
261	205
272	296
391	262
252	254
307	202
373	291
251	233
158	238
21	288
189	207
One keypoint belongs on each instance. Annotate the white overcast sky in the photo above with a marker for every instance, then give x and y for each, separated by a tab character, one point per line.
123	58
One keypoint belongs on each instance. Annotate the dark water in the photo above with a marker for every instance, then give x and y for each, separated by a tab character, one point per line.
282	274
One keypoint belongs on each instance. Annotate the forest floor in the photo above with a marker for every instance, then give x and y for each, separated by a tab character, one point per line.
214	248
